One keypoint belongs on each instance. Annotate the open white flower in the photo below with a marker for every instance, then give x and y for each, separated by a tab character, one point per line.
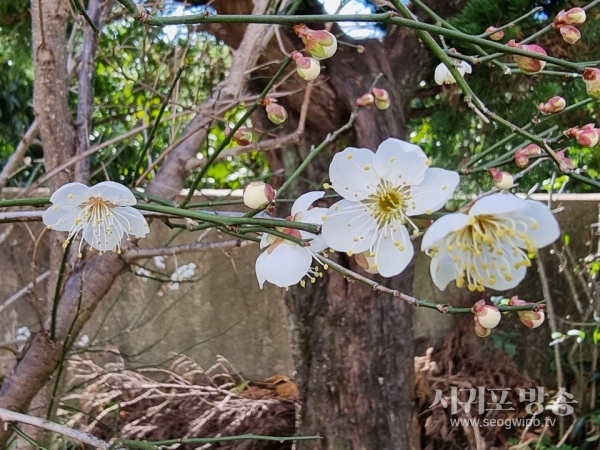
489	246
443	76
381	191
285	263
103	213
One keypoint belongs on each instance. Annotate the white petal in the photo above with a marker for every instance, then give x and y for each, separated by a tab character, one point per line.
433	192
115	193
315	216
61	217
102	240
264	240
349	227
400	162
466	67
132	220
508	259
543	227
497	204
442	269
442	75
442	227
303	202
285	266
392	259
70	194
352	175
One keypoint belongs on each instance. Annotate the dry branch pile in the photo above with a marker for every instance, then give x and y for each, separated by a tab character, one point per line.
188	402
459	362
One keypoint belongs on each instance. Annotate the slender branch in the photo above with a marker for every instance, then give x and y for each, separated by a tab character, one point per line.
140	253
8	416
244	437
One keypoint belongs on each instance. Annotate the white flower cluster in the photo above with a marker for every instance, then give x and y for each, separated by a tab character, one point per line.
488	245
182	273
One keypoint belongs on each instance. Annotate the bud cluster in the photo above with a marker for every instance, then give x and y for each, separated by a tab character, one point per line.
380	97
522	155
588	135
566	22
531	319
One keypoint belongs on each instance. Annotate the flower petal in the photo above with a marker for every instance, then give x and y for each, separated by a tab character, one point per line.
352	175
442	75
400	162
303	202
507	276
349	227
101	239
442	228
132	221
61	217
442	269
285	266
543	227
393	251
497	204
115	193
315	216
433	192
70	194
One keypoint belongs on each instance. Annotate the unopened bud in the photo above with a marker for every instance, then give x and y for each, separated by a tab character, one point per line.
366	262
564	161
243	136
258	194
502	180
382	98
276	113
27	161
570	34
554	105
488	315
532	319
360	49
365	100
495	36
528	66
480	330
574	16
307	68
591	78
587	135
521	158
321	44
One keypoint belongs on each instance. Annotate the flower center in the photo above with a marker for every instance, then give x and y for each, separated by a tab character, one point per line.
389	203
488	248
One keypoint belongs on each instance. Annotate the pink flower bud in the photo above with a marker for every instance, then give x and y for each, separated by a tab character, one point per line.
258	194
564	161
532	150
366	261
243	136
487	316
521	158
528	65
321	44
502	180
365	100
382	98
495	36
554	105
587	135
531	319
574	16
591	78
307	68
276	113
570	34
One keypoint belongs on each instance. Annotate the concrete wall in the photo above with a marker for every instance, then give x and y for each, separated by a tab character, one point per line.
225	313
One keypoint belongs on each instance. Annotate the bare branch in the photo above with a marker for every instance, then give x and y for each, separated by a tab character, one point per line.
140	253
11	416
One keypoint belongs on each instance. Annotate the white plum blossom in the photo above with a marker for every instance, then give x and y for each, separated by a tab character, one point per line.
103	213
159	262
285	263
443	76
489	246
381	191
